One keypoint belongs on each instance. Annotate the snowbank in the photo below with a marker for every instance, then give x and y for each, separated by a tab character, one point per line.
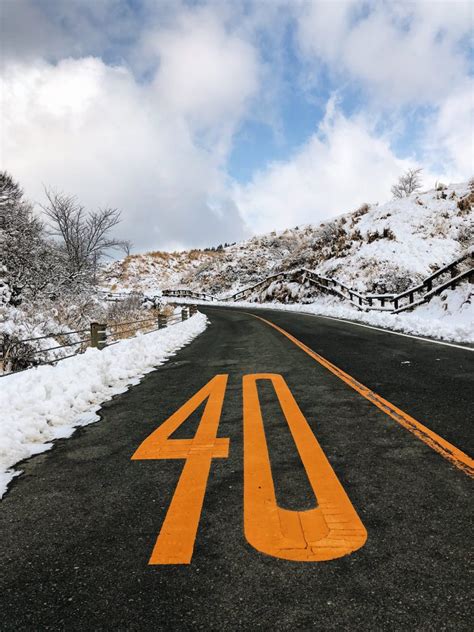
46	403
429	320
449	316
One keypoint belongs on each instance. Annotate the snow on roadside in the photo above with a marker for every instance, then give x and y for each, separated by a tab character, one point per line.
449	316
429	320
48	402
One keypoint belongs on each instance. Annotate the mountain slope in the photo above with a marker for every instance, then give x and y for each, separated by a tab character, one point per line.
377	248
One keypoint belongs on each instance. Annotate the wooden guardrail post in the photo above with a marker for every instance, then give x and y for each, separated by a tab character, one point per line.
98	335
184	314
3	350
192	310
162	321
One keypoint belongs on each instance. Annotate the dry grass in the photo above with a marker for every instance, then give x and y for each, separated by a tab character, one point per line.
362	210
121	316
465	203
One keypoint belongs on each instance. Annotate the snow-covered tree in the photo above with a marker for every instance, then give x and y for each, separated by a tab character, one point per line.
407	183
28	259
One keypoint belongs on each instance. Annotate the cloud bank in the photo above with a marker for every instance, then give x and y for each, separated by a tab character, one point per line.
155	149
141	108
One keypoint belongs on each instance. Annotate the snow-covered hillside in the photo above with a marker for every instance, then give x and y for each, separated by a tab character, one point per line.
155	270
376	248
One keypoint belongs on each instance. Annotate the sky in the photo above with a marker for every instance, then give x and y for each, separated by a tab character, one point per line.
210	121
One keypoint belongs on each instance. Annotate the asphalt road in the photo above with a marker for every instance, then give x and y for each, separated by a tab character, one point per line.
78	527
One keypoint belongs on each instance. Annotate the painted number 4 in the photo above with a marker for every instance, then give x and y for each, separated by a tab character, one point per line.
328	531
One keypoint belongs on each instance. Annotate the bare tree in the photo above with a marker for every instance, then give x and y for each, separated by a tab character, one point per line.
127	246
407	183
85	235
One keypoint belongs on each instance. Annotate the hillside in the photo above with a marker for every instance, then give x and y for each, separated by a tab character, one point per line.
155	270
376	248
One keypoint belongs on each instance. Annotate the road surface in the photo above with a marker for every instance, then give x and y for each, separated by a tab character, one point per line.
79	528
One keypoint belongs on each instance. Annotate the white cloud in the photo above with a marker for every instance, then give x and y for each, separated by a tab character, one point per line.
154	150
449	138
401	52
339	168
158	149
204	73
402	55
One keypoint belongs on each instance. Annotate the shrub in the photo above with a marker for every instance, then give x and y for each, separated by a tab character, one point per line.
466	235
362	210
388	233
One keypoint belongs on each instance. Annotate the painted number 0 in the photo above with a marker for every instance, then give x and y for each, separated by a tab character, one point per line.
330	530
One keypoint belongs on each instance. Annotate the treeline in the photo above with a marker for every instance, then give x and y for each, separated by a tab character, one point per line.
219	248
54	251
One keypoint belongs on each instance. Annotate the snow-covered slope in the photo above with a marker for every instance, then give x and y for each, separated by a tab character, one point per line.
155	270
377	248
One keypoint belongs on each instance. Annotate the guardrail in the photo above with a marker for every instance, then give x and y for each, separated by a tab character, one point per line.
101	335
393	303
453	282
115	297
184	293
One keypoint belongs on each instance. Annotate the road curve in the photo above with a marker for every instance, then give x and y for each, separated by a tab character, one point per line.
78	528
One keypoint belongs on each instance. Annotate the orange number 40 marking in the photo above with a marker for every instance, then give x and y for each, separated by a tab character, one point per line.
330	530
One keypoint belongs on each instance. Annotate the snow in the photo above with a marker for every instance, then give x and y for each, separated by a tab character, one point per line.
426	231
375	249
430	320
48	402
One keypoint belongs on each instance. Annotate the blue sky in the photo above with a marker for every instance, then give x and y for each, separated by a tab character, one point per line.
210	121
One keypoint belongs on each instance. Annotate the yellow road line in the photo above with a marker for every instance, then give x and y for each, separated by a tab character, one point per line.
455	456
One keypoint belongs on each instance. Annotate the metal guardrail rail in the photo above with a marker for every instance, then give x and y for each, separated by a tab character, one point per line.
184	293
102	335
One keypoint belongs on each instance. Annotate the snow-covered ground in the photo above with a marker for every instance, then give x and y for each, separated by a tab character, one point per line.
374	249
48	402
